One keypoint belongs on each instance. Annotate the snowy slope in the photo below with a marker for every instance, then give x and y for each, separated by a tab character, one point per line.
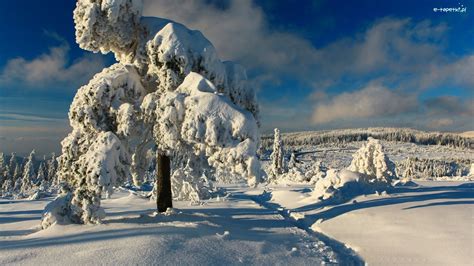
231	230
426	225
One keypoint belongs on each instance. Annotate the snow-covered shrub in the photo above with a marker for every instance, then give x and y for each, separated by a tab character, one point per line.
373	162
315	172
370	171
187	185
58	211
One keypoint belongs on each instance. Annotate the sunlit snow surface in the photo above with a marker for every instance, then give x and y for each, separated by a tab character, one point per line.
430	224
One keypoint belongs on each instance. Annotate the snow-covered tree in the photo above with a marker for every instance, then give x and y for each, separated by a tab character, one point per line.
12	163
169	89
29	174
3	169
276	157
17	178
373	162
292	161
52	165
370	171
41	176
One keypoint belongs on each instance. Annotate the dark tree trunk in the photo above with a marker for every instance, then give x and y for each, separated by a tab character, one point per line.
163	183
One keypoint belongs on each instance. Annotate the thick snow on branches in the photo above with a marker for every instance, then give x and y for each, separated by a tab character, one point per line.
370	171
108	25
372	161
169	89
276	157
196	118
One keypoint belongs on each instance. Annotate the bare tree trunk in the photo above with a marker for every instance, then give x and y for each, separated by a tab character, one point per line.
163	183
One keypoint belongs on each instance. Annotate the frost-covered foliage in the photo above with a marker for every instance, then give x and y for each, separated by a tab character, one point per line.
416	168
34	180
187	185
3	169
108	25
370	170
292	162
98	153
58	211
299	140
316	172
169	89
277	166
373	162
52	169
196	119
29	174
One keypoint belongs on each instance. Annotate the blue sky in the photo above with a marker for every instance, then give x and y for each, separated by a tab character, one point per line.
317	64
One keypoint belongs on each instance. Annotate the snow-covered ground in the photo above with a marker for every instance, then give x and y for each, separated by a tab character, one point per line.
426	225
229	230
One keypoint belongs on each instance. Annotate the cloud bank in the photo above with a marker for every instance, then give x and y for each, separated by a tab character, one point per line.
371	101
405	58
51	68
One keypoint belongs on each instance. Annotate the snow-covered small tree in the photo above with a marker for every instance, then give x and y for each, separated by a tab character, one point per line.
29	174
17	179
41	176
3	169
12	163
292	162
187	185
7	186
52	165
277	166
168	89
370	171
372	161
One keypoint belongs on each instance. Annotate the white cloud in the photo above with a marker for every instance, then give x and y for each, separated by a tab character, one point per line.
50	68
371	101
239	32
393	48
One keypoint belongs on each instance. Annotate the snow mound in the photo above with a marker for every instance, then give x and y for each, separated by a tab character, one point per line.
370	171
338	184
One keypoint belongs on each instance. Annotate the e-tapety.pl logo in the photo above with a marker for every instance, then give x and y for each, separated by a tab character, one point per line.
460	9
